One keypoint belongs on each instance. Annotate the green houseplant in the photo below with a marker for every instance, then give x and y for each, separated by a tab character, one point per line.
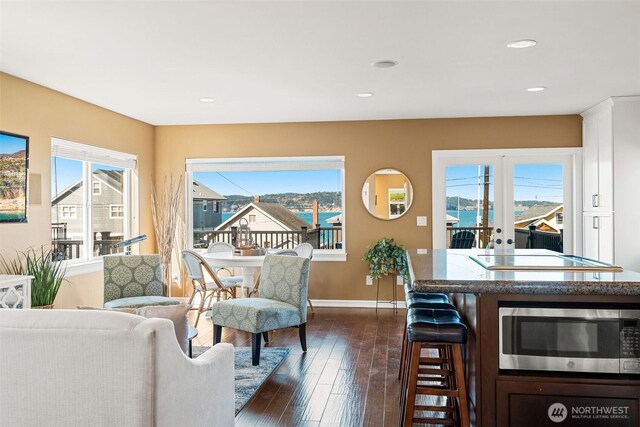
386	257
47	274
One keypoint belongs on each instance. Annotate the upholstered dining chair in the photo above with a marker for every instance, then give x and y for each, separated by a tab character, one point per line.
305	250
224	247
282	303
133	281
196	267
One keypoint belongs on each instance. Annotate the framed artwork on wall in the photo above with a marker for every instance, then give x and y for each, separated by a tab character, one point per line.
14	170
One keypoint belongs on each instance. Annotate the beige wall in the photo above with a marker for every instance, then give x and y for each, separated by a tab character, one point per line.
405	145
41	113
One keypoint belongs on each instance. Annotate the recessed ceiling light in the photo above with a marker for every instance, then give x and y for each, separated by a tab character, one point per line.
522	44
385	64
207	99
365	94
536	89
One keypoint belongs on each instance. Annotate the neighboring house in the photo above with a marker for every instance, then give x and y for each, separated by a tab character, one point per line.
207	207
452	220
107	201
269	217
335	221
543	217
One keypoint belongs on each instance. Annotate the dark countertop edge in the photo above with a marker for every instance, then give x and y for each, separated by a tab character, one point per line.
530	288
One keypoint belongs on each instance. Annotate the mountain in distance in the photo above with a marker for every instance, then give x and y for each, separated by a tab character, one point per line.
22	154
472	204
328	201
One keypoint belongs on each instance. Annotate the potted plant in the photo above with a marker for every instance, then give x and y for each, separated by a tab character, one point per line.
47	274
386	257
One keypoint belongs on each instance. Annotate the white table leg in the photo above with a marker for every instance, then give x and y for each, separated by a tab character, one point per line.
247	279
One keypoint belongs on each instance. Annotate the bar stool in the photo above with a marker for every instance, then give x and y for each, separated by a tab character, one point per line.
414	299
439	373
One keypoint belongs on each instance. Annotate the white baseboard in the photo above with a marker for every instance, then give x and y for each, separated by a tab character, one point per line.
346	303
352	303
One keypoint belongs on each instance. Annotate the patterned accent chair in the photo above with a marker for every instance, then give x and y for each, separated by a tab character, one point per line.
133	281
282	303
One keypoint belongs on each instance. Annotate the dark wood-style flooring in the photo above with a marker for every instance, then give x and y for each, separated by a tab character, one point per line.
348	376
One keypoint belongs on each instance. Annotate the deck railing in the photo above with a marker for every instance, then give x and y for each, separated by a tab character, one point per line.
65	249
536	239
320	238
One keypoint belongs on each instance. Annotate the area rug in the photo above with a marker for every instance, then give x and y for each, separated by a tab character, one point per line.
249	378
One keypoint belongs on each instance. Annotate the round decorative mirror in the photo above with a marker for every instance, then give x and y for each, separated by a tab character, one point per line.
387	194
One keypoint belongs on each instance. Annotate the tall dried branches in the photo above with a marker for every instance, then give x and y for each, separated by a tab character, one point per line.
164	208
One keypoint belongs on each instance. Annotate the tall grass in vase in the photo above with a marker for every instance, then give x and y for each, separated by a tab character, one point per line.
164	208
47	274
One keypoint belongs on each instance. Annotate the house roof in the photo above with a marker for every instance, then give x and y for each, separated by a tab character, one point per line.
452	219
111	178
537	212
276	212
336	219
201	191
542	222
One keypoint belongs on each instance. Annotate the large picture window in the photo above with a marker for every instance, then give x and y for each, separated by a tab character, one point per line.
91	207
270	202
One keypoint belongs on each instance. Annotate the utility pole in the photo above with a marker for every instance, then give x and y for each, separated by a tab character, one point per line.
484	236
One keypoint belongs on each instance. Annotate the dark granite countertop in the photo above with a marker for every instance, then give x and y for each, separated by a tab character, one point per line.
452	270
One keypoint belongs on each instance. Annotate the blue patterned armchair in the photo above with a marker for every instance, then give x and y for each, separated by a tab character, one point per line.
133	281
282	303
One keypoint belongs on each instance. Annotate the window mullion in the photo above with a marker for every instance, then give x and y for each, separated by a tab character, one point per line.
126	201
87	214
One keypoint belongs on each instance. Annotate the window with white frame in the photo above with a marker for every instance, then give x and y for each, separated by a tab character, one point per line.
91	199
281	200
68	211
116	211
397	202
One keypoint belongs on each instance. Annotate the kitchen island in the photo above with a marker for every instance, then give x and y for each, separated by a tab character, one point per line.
526	397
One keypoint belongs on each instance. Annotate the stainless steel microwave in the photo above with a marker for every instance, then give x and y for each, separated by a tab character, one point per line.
570	339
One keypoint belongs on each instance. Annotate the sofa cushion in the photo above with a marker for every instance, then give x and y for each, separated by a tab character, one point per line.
137	302
177	314
255	314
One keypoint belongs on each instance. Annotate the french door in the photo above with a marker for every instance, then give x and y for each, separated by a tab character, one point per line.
507	199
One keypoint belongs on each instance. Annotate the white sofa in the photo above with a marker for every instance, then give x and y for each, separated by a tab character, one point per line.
83	367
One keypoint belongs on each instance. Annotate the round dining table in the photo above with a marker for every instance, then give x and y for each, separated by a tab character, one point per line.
249	264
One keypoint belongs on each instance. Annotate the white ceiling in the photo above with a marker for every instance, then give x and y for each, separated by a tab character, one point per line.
267	61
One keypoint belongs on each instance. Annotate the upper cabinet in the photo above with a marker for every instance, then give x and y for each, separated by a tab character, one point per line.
611	181
598	157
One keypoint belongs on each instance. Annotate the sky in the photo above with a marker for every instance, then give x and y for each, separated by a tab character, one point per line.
532	182
259	183
10	144
69	172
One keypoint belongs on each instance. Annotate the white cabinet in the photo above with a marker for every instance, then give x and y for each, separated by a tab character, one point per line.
597	158
611	182
596	236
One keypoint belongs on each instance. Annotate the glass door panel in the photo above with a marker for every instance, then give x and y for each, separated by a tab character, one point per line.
469	193
537	208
